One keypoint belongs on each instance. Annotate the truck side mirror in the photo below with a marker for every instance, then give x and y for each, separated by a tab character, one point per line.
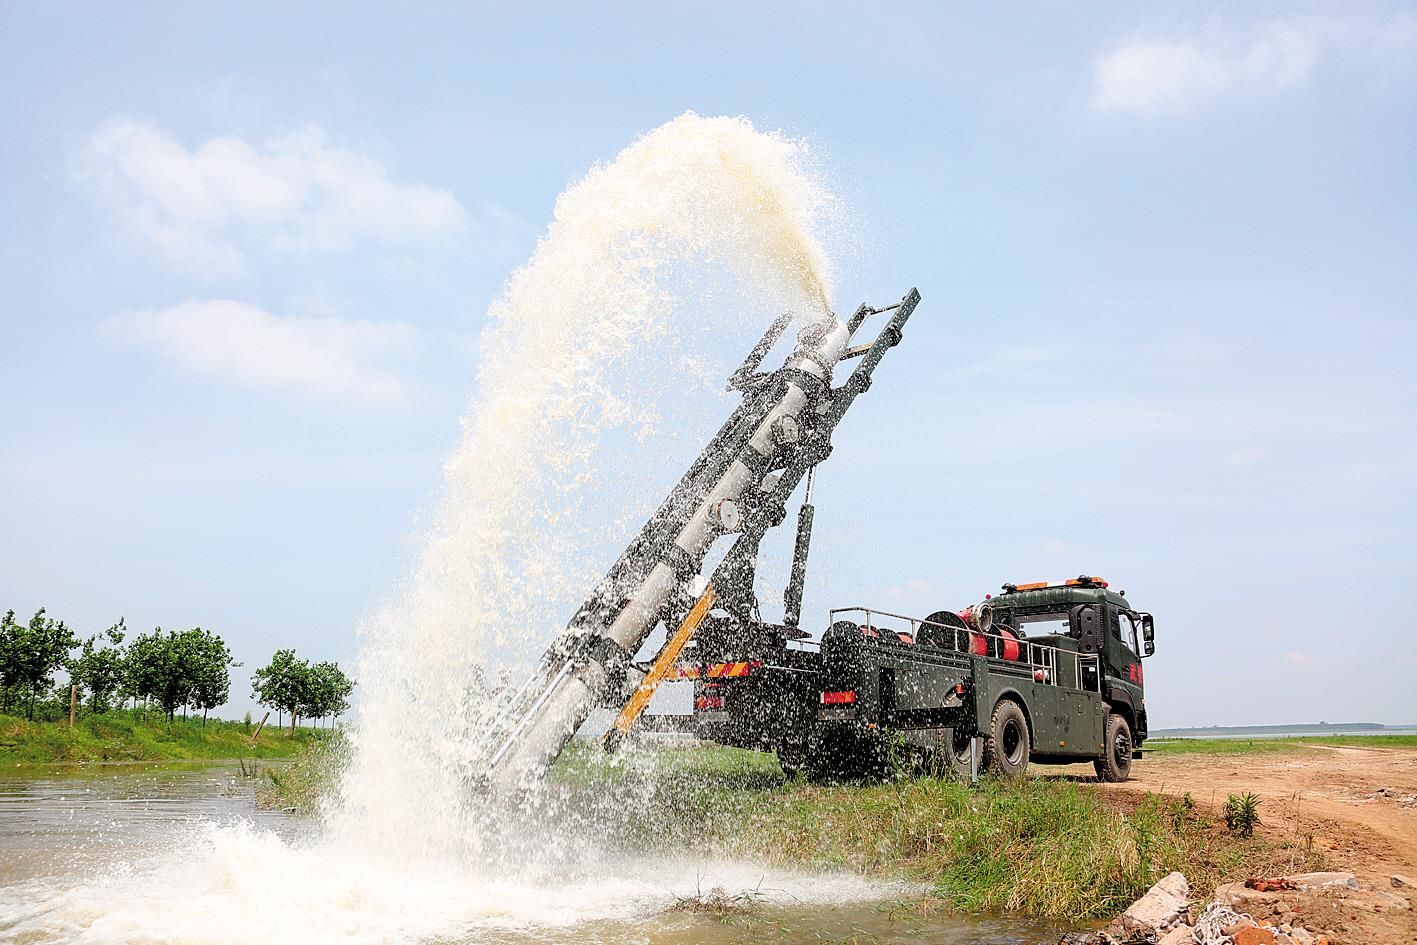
1148	636
1087	628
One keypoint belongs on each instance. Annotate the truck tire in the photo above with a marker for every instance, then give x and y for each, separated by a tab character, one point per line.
1116	764
1006	752
957	754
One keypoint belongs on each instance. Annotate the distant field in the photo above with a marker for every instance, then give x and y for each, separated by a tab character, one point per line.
1221	746
142	736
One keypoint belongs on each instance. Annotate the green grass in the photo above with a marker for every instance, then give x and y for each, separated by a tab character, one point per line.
141	736
300	785
1048	847
1228	746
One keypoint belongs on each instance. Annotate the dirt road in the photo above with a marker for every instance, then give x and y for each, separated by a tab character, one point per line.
1358	804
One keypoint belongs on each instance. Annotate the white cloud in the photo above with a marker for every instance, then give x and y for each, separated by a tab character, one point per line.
246	345
1298	658
1151	76
205	208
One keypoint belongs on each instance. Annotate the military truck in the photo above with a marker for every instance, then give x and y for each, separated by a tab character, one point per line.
1041	672
1048	673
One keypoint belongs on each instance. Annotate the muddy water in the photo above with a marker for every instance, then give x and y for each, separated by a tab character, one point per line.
182	854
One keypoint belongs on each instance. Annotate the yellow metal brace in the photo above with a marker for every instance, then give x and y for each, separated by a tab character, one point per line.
663	663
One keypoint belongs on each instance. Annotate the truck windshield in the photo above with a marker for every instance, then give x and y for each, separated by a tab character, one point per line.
1036	624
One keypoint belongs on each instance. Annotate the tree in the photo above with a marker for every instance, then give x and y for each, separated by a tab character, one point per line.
100	671
212	684
9	637
30	654
327	691
171	668
282	684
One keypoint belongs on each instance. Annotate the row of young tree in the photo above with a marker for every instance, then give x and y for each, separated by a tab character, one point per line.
294	687
169	670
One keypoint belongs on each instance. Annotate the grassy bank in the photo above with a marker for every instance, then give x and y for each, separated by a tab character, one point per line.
1227	746
142	736
299	785
1047	847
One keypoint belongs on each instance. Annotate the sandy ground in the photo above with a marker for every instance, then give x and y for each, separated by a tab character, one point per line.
1358	804
1331	792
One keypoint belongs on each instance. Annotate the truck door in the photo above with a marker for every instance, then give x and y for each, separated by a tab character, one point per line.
1123	653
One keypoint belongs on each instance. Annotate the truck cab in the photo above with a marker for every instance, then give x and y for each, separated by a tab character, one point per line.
1085	614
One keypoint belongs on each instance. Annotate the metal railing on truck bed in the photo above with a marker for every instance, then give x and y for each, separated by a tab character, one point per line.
1014	656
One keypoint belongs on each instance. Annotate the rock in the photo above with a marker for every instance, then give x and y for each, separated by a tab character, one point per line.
1324	880
1180	935
1391	901
1235	894
1255	935
1403	882
1301	936
1244	922
1162	908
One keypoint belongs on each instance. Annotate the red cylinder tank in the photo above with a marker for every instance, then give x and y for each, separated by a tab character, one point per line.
1007	648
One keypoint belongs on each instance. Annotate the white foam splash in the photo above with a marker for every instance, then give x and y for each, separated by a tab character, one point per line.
236	885
563	362
573	345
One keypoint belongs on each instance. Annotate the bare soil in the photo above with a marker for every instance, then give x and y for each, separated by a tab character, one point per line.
1357	805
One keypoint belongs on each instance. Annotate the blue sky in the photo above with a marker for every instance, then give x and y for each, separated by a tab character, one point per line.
1167	256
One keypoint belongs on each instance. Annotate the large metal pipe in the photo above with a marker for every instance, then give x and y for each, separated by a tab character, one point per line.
577	669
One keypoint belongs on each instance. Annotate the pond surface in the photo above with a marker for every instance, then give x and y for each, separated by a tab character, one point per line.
138	854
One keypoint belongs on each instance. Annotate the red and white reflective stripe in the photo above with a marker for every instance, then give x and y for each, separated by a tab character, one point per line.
717	670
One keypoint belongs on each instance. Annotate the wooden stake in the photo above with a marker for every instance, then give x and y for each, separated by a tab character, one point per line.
73	704
260	725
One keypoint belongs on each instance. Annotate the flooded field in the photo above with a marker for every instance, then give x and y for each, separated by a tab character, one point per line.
182	854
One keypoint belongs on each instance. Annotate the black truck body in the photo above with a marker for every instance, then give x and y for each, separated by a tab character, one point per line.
881	687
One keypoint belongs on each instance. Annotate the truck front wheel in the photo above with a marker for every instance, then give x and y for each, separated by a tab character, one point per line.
1116	764
1008	748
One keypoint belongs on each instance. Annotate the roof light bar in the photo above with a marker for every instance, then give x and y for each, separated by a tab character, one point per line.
1082	580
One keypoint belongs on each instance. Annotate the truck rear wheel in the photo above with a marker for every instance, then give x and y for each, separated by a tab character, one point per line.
1007	751
1116	764
957	752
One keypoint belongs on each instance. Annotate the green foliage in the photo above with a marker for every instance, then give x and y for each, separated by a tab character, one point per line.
211	680
1242	814
101	671
293	686
180	668
277	684
301	785
30	654
1051	848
